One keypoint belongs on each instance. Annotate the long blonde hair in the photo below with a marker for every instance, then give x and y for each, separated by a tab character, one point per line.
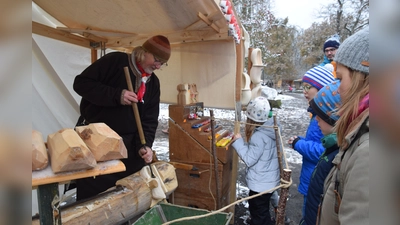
349	108
250	126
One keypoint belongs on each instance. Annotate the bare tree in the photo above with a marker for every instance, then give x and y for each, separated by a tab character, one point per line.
344	17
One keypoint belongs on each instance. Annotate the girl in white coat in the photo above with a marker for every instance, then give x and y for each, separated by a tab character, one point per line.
260	155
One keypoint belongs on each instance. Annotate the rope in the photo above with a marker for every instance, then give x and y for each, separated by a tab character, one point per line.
55	205
284	184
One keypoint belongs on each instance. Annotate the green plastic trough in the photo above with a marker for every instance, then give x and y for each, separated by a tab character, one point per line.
164	212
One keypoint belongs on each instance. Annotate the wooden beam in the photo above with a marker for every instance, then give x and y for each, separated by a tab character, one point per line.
180	36
208	22
98	33
60	35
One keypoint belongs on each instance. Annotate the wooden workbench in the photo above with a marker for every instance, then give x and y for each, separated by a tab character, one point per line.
46	182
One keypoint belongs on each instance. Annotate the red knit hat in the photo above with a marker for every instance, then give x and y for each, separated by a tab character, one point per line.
159	47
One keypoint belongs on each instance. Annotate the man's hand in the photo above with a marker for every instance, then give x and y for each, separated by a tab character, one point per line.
146	153
128	97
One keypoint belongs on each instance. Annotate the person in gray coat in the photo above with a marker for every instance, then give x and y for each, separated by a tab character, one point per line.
346	188
261	158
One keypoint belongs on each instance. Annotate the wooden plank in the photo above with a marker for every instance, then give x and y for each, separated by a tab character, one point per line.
208	22
174	37
130	197
60	35
101	34
196	191
47	176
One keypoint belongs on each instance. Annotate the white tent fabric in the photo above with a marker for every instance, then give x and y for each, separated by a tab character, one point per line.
55	104
211	65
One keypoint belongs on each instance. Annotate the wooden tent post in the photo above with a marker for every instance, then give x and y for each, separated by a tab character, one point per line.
214	152
280	218
238	91
93	53
278	146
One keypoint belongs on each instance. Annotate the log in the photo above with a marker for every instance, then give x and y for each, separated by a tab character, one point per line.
40	159
68	152
117	205
103	142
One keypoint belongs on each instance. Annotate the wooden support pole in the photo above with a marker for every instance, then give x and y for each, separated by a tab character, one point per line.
238	109
214	151
278	145
280	218
46	194
93	54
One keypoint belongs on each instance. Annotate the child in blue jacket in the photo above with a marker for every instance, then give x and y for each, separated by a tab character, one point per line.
324	104
310	146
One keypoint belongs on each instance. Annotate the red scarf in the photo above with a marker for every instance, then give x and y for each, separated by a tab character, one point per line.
142	88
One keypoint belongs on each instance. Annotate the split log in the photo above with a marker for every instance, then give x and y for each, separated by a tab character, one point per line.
40	159
68	152
117	205
103	142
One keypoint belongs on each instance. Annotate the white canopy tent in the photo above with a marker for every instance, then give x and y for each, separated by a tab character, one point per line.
200	54
66	37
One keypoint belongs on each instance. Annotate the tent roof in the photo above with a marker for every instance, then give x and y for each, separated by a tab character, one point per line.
123	23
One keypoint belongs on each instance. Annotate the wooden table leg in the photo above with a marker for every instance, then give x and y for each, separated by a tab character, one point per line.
46	194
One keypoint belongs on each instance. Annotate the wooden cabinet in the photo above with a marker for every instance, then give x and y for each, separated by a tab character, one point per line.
192	146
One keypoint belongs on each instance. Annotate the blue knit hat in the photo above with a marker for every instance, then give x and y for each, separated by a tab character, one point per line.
318	77
332	42
326	102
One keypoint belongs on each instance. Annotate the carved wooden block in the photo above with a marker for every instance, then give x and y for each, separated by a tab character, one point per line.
103	142
68	152
40	159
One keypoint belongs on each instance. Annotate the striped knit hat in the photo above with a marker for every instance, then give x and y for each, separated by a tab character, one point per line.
158	46
318	77
326	102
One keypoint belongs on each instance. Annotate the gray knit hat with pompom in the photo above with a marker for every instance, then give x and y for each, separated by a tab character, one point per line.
354	51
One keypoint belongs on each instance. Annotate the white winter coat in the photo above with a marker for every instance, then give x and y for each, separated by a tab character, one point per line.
260	157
